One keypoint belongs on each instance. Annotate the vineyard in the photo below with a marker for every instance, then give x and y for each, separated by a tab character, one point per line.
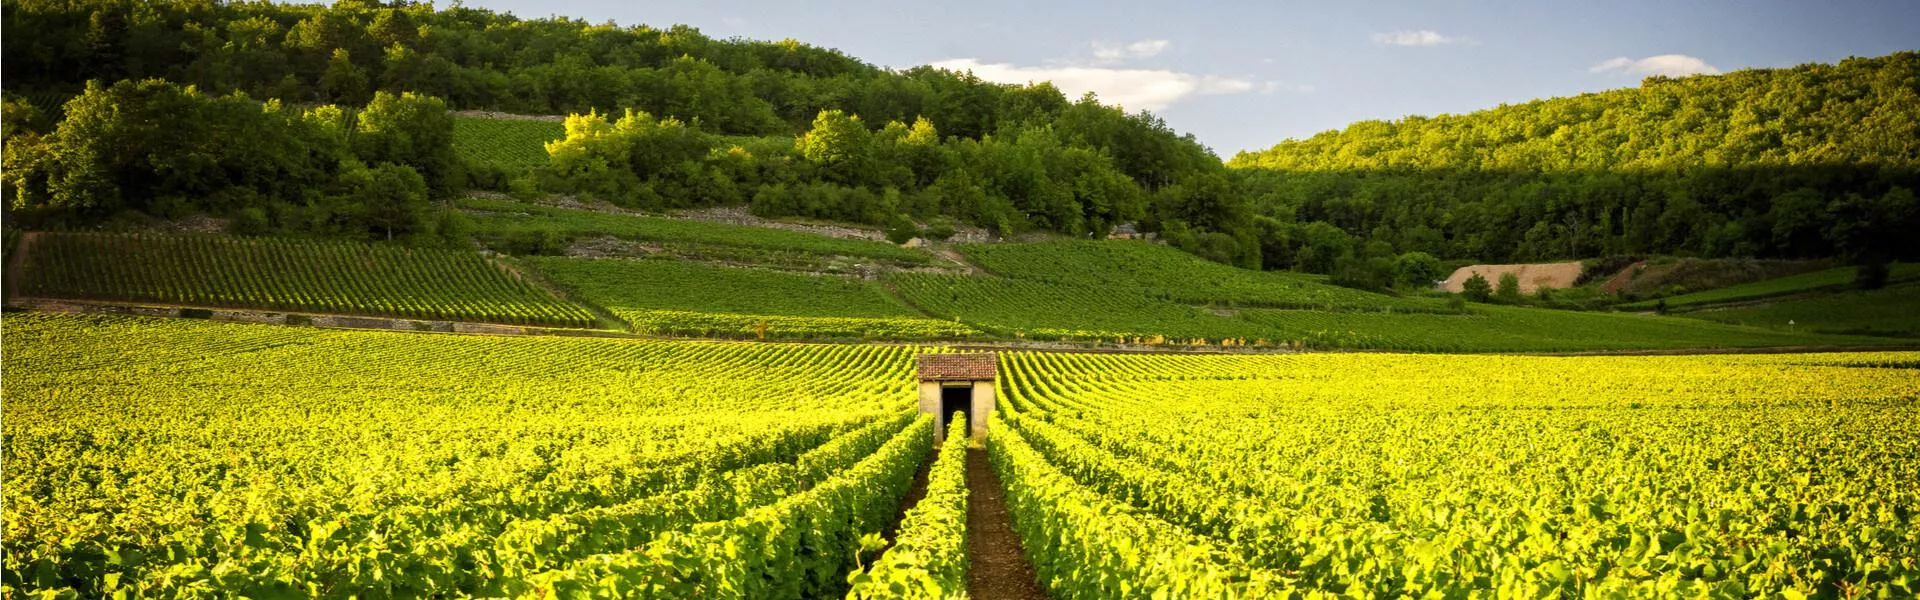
153	457
673	297
1162	272
507	217
1034	310
1830	279
168	458
506	143
1890	311
1458	476
288	275
1489	328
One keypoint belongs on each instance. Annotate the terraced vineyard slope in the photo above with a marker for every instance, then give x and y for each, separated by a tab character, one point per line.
1163	272
161	458
675	297
1140	293
511	144
1831	279
1374	475
1015	308
498	218
1890	311
1492	328
288	275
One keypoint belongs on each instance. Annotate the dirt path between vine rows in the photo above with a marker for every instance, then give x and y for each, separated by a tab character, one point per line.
997	566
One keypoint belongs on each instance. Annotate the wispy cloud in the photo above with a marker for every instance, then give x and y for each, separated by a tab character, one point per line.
1113	53
1136	89
1423	37
1671	65
1272	87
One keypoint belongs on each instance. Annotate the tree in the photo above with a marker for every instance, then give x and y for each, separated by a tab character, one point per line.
1416	270
413	130
1476	288
1509	289
344	82
838	144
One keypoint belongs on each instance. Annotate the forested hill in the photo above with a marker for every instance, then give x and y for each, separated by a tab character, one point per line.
1011	157
1815	160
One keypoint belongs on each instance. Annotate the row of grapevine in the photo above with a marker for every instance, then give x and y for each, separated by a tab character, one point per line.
509	217
152	457
800	547
1892	311
1389	475
505	143
680	298
1162	272
1032	310
290	275
1511	329
929	558
1046	303
782	327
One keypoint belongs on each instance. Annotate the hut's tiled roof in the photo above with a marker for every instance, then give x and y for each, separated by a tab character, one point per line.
957	367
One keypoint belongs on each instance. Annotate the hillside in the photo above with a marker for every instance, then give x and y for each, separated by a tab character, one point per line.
636	274
660	118
1817	160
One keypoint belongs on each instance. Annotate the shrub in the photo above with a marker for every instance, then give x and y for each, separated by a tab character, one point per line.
940	228
1476	288
900	229
1509	288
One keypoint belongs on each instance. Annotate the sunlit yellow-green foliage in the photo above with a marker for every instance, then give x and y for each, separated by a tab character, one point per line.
184	458
1379	475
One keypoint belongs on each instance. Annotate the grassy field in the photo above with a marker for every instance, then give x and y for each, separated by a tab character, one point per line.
507	217
1830	279
166	458
673	297
288	275
512	144
1373	475
1890	311
1163	272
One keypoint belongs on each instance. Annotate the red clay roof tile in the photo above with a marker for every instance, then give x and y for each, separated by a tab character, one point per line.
957	367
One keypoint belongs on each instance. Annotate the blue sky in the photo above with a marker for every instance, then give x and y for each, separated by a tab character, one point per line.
1242	76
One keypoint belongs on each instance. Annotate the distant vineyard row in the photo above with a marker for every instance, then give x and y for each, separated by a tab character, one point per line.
291	275
1081	292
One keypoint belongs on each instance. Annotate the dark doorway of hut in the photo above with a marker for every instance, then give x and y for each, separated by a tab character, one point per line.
956	399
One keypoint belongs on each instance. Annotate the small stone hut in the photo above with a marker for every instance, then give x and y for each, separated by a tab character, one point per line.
962	383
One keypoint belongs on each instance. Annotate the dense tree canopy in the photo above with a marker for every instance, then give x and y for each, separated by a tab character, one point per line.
1816	160
873	144
156	148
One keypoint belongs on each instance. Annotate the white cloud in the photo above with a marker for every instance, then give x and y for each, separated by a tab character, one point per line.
1135	89
1671	65
1424	37
1113	53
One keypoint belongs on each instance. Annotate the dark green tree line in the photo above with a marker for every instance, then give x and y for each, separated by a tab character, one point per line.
159	149
1813	161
